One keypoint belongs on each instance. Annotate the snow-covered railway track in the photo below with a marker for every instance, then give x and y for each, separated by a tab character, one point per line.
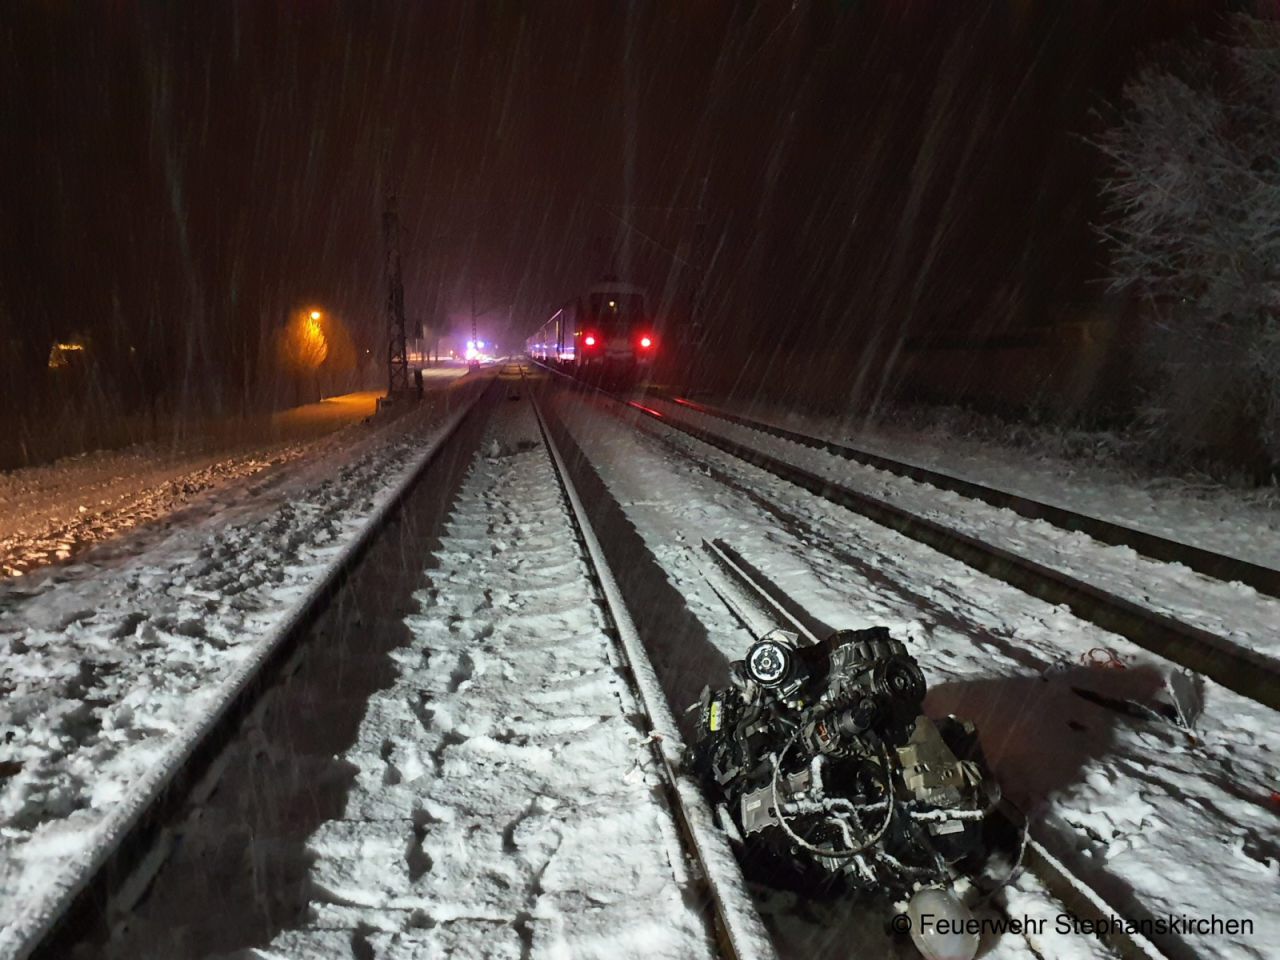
516	759
836	928
1219	566
59	879
1069	857
737	927
508	790
1227	662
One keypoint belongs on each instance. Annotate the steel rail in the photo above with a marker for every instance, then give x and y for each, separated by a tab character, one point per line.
772	607
739	931
1217	565
133	832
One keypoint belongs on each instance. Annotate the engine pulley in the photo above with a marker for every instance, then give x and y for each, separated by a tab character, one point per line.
770	661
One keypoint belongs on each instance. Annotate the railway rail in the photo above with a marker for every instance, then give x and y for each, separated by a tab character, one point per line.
1245	671
738	929
1248	674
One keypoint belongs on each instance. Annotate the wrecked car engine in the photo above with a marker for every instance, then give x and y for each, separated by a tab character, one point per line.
826	774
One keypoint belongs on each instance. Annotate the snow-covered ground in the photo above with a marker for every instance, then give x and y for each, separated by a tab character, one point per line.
506	802
49	513
56	511
1233	611
504	797
1159	821
1236	522
112	666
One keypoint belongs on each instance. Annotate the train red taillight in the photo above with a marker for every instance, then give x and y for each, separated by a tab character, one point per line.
646	342
589	340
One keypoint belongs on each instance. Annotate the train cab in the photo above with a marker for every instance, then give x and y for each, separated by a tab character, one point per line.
615	328
609	330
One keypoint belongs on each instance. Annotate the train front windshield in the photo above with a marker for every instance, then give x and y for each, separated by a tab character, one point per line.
615	311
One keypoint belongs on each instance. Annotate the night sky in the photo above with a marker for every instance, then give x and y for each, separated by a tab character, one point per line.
176	178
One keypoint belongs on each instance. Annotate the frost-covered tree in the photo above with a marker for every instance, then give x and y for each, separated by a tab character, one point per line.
1194	224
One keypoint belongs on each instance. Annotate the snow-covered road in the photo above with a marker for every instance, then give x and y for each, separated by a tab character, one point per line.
50	514
56	511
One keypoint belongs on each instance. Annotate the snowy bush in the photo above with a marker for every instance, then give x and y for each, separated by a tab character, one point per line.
1194	224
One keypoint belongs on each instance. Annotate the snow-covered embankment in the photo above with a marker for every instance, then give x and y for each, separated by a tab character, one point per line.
110	678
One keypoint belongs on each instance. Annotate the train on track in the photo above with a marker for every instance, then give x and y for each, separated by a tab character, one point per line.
608	332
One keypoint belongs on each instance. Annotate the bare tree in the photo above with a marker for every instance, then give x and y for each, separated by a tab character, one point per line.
1194	225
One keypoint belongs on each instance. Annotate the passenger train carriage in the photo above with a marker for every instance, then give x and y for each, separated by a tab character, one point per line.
607	331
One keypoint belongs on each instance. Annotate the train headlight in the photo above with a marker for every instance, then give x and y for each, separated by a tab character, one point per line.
769	662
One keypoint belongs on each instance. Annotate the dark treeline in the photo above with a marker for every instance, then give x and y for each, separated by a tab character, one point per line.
178	178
